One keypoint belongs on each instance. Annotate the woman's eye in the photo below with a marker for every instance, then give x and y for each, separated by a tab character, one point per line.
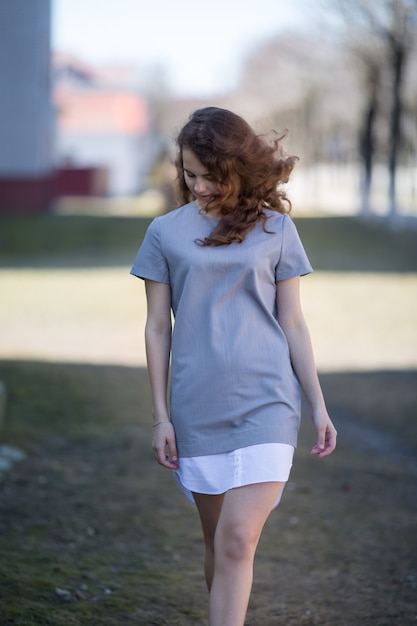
189	174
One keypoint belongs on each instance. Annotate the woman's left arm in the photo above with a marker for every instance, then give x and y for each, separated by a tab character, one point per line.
292	322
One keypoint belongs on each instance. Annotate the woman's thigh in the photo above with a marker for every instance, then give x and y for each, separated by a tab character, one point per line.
209	508
244	512
243	509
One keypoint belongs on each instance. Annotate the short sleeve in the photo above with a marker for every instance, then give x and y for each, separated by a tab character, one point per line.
150	262
293	259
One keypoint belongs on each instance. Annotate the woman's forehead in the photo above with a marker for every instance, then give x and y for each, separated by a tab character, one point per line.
191	162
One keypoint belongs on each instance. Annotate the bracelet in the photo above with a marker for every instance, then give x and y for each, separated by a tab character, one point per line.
163	422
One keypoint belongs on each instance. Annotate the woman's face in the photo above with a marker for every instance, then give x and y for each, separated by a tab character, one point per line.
198	179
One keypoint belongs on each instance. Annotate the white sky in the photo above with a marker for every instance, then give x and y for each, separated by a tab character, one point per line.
201	44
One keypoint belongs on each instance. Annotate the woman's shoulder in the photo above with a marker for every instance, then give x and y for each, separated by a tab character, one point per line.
275	216
277	222
171	226
168	219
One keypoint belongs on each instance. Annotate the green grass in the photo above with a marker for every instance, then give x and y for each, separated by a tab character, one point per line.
333	243
74	241
349	244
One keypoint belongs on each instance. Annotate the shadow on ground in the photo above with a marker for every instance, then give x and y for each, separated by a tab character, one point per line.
93	532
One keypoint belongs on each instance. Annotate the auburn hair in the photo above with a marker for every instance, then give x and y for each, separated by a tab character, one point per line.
248	168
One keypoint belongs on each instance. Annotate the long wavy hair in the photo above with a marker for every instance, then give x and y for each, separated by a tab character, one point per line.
248	169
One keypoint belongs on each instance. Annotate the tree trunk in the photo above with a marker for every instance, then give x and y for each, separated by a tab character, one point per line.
367	141
398	57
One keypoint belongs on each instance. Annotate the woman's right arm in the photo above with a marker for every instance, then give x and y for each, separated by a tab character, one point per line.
158	331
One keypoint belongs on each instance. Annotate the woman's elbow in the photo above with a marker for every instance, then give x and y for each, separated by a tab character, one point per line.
161	327
291	322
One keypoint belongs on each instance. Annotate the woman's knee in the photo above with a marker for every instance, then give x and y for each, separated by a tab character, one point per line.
235	543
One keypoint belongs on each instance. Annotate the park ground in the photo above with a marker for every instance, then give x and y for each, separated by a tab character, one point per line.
94	533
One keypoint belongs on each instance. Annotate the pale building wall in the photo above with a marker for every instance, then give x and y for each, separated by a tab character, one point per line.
126	157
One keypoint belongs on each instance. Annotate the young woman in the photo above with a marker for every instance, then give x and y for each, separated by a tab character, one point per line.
227	263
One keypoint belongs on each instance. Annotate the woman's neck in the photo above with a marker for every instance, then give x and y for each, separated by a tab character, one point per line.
212	213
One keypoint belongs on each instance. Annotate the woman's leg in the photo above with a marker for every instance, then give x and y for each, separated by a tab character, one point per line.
243	515
209	508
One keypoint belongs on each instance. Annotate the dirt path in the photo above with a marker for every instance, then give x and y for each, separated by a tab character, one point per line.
94	533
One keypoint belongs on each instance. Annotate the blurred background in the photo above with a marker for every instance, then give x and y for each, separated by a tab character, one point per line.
91	98
92	94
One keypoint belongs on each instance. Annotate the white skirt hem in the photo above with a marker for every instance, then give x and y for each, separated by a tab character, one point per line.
217	474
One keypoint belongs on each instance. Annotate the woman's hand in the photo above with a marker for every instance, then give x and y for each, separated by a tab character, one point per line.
164	446
326	433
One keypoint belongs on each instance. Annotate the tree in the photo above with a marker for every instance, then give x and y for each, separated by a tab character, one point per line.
291	82
389	27
367	134
399	37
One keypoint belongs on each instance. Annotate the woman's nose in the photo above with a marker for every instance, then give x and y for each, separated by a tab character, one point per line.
200	185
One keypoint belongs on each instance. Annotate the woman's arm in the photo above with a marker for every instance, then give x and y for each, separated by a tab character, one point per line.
292	322
158	331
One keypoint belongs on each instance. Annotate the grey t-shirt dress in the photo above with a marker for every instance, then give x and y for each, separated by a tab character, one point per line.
232	383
